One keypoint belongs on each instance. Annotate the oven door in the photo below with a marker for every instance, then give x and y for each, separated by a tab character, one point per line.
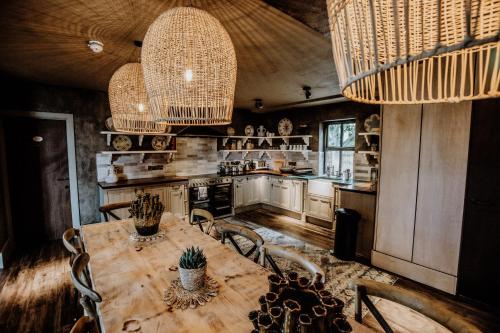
202	201
222	203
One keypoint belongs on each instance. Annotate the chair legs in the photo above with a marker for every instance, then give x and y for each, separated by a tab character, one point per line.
275	267
362	297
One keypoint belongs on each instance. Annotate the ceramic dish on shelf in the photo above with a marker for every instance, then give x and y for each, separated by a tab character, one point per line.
230	131
122	143
285	127
109	124
159	142
249	130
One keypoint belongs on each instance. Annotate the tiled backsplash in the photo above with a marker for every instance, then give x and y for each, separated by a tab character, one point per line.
199	156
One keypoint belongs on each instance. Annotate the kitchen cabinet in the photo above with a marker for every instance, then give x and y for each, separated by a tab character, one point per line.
252	191
296	196
319	207
265	189
239	190
174	197
422	191
176	200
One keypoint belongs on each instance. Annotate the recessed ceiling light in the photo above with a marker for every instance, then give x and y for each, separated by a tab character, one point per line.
96	46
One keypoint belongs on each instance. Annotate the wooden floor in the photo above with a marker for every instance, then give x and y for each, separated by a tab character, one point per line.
36	294
401	319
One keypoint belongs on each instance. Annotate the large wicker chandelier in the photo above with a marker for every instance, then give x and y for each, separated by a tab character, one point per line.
129	102
409	51
189	67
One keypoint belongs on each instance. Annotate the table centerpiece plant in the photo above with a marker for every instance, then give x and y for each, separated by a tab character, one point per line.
192	268
146	210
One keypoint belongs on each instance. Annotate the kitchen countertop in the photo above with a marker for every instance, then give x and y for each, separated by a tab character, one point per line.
142	181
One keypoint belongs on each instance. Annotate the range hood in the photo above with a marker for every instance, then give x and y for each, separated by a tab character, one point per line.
200	132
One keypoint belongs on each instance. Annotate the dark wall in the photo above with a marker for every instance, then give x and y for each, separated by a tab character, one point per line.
89	109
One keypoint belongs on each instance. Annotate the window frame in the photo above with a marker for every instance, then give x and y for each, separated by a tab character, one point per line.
340	149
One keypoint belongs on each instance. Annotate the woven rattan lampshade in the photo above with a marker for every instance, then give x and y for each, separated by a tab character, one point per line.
129	103
189	67
416	51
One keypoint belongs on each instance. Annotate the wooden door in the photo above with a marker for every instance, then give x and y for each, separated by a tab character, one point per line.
441	185
37	166
398	180
480	250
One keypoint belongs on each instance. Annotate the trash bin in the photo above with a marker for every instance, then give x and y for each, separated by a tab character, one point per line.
346	233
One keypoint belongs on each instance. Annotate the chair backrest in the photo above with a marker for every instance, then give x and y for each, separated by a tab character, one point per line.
428	306
227	230
85	325
268	251
107	210
88	296
198	216
73	243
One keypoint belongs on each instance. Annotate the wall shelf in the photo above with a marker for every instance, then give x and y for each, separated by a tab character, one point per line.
140	152
368	135
245	152
141	136
268	139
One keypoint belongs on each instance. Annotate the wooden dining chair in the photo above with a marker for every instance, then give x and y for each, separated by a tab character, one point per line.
199	216
227	230
427	306
88	296
73	243
85	325
107	210
268	251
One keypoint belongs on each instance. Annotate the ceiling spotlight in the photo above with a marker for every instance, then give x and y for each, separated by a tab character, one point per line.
307	91
96	46
258	104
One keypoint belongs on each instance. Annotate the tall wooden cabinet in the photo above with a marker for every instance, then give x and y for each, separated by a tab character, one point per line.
421	192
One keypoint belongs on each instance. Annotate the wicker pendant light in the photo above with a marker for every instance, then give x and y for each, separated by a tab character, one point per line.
409	51
129	103
189	67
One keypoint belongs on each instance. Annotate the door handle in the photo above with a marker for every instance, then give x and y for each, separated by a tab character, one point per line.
482	203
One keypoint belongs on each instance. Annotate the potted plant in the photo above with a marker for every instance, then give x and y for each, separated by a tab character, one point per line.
192	268
146	211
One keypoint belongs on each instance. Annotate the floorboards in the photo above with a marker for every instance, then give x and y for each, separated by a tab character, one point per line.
402	319
36	294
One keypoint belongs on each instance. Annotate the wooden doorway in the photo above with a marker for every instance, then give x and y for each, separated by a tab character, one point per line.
38	176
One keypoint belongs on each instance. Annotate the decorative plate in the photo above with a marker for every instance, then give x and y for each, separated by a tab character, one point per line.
109	124
159	142
230	131
285	127
372	123
122	143
168	129
249	131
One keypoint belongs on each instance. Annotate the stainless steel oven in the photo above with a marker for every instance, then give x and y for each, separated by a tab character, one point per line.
212	193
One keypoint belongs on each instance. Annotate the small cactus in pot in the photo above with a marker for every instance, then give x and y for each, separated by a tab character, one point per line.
146	211
192	268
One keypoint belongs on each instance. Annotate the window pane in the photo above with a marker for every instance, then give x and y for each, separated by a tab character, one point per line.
332	159
334	131
348	161
349	136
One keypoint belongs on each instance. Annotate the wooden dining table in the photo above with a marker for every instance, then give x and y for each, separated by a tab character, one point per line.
132	279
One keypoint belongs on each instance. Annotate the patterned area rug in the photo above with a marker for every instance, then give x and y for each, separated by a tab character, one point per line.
337	272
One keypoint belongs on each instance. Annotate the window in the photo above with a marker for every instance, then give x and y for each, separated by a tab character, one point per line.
340	141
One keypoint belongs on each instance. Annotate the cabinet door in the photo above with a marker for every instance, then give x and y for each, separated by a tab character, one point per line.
296	196
319	207
252	190
265	189
117	196
238	192
398	180
275	193
176	200
285	196
441	185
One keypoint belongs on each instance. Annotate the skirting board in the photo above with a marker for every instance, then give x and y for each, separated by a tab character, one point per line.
427	276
